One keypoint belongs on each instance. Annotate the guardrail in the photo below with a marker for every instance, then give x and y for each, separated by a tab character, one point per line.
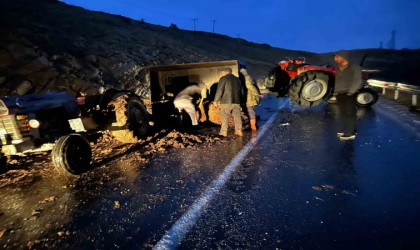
397	87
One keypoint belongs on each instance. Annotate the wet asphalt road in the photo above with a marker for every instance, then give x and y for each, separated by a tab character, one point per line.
299	187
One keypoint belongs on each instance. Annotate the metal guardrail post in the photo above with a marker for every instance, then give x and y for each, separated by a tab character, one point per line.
414	100
396	94
383	91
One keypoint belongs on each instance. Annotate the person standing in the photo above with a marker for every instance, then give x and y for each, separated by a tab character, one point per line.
348	81
186	98
229	94
252	98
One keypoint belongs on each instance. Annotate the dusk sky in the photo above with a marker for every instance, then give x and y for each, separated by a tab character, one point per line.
308	25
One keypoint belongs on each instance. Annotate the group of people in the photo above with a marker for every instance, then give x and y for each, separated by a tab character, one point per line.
230	96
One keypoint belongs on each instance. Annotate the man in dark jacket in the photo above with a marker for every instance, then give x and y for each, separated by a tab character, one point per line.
348	81
230	94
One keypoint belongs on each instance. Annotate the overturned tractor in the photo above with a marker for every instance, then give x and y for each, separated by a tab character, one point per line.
59	122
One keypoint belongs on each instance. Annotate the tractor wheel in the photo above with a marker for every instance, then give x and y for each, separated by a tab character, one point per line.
278	81
131	114
309	89
71	155
366	97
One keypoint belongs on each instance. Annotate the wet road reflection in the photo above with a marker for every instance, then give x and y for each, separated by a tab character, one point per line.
300	187
314	191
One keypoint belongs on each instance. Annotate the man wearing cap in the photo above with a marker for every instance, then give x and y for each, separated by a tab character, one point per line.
252	98
229	94
347	83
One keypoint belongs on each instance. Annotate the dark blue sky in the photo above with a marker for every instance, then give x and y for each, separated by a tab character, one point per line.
309	25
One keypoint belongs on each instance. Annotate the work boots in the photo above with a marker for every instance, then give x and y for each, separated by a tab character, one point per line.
253	123
238	133
224	134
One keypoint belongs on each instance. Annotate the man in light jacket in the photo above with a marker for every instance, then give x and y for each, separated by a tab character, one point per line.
186	98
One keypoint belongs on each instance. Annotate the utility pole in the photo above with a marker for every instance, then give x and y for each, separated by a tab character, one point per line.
194	19
391	43
214	24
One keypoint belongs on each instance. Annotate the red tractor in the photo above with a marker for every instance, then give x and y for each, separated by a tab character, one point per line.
308	85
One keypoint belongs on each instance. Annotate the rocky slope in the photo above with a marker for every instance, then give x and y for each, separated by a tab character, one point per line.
46	45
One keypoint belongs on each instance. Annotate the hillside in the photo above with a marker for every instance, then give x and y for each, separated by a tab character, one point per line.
47	45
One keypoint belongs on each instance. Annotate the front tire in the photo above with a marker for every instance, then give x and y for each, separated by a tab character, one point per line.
366	97
311	88
131	114
71	155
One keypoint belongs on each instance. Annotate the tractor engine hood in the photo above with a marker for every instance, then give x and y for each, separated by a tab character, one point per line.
35	102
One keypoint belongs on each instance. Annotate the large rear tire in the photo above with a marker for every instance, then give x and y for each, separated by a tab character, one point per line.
71	155
311	88
366	97
131	114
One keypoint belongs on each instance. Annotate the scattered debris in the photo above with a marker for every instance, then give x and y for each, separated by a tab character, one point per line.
317	198
348	192
36	212
62	233
324	187
49	199
24	170
36	243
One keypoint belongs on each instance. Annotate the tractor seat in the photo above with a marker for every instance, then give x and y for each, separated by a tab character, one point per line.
292	67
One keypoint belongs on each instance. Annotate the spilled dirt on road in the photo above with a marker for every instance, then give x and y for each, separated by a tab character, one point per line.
23	170
37	203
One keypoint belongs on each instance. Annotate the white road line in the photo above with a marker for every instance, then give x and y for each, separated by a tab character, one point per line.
183	225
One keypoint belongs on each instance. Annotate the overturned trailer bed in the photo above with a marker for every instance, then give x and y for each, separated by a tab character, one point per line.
166	81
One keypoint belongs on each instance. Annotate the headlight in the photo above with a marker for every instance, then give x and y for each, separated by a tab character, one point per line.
34	123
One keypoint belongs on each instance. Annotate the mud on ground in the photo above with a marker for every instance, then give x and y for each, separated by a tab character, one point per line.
23	170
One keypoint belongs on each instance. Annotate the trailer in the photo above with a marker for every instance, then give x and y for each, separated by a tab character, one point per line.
166	81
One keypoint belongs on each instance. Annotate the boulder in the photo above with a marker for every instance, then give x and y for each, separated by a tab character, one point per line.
20	51
6	59
42	78
23	88
91	59
34	65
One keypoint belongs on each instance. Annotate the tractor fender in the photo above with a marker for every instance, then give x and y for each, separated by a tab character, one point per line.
109	95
